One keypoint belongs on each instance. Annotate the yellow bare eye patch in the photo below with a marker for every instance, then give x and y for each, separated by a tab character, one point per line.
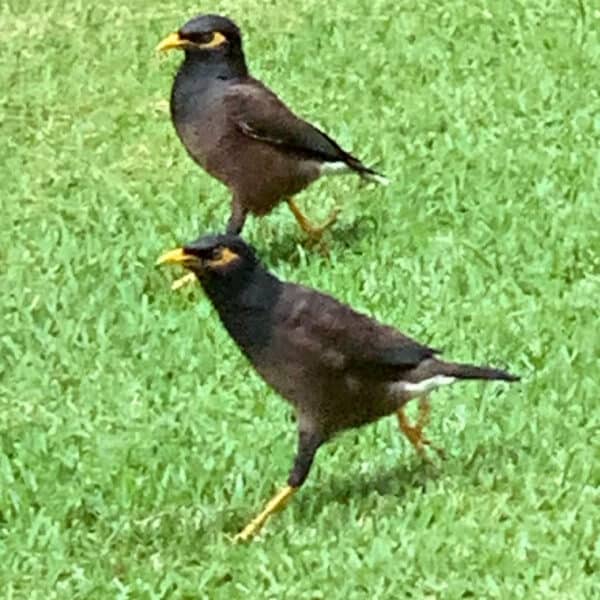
226	256
174	41
217	39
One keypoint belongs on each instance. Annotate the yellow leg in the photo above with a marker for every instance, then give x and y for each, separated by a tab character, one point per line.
183	281
424	413
313	231
275	504
414	433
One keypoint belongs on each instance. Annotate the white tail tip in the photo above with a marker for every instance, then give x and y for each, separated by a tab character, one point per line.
380	179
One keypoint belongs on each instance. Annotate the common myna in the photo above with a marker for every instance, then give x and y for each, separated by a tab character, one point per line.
338	368
240	132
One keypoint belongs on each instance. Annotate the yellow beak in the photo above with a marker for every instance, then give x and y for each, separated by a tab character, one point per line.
174	257
171	42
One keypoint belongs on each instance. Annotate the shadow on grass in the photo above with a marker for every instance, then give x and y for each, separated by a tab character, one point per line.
395	481
283	248
280	249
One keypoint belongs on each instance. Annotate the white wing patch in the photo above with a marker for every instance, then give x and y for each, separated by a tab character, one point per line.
340	168
334	168
407	390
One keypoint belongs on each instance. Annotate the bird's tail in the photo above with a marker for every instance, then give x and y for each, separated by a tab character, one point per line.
366	172
375	177
462	371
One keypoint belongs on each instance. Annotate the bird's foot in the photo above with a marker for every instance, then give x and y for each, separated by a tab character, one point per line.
415	434
314	232
277	503
183	281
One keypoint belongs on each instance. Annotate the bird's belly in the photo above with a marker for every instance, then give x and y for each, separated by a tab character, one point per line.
333	400
261	175
290	381
260	192
359	402
202	141
258	175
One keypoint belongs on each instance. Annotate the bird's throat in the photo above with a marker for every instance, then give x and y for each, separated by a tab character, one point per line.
245	303
198	83
217	67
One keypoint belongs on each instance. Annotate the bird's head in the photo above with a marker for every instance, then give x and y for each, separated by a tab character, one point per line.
214	257
205	37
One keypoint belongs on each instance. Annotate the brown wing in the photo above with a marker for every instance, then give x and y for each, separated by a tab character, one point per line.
332	333
260	114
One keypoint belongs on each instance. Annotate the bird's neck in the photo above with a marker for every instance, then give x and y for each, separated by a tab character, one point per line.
198	80
245	303
217	67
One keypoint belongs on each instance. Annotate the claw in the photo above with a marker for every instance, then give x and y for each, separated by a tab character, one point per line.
277	503
414	433
314	232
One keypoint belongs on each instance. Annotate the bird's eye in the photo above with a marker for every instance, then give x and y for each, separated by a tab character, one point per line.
221	256
204	39
210	39
201	38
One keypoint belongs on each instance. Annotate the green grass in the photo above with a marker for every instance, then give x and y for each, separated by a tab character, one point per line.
135	439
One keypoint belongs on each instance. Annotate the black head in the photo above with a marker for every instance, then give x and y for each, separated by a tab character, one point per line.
206	36
239	287
214	256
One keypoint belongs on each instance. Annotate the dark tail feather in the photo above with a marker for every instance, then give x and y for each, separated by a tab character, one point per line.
366	172
474	372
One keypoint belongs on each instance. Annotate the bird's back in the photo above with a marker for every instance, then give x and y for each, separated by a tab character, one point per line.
333	363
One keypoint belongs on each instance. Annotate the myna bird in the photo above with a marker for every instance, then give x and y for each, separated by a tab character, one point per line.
338	368
240	132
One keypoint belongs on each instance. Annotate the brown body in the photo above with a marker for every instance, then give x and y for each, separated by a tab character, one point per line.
338	368
239	131
315	360
258	174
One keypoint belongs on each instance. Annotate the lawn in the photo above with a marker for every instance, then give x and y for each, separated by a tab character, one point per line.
135	440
